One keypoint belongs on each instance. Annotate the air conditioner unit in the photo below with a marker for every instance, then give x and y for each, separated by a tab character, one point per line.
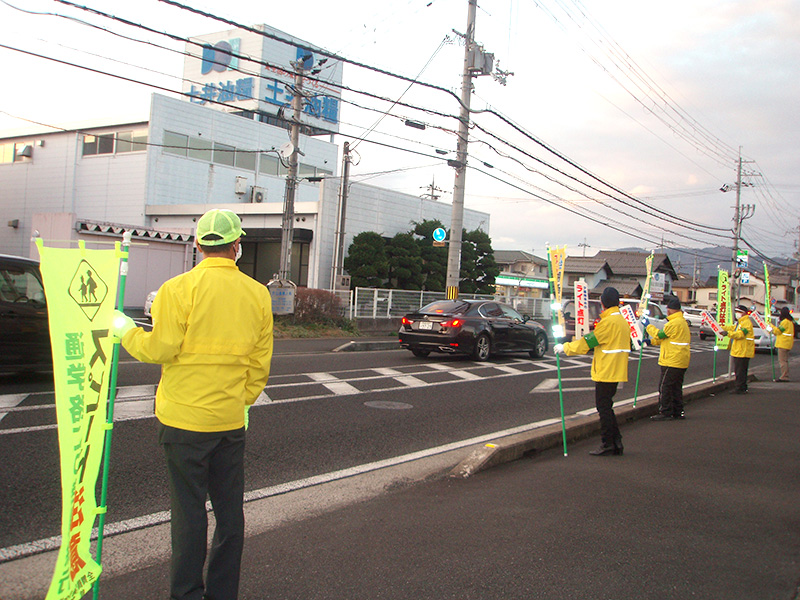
258	194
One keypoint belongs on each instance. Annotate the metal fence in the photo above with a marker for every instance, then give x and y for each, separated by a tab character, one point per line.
376	303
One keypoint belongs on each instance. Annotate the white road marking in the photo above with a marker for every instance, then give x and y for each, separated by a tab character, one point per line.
342	388
410	381
10	401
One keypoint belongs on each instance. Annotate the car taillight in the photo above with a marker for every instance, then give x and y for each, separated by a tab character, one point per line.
407	321
452	323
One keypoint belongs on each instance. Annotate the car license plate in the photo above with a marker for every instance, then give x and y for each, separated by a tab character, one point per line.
426	325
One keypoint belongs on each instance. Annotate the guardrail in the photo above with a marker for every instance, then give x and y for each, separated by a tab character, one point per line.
378	303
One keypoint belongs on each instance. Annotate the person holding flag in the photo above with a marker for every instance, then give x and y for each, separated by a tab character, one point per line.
212	332
611	341
674	340
784	340
743	346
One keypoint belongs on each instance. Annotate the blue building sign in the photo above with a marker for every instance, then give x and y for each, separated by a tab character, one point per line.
241	89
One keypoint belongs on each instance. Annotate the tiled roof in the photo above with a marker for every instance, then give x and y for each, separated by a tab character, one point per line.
624	287
624	262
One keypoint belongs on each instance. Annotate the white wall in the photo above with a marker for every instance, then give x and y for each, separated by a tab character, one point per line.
182	180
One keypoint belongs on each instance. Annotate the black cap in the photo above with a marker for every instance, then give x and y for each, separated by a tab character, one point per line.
609	297
742	309
674	303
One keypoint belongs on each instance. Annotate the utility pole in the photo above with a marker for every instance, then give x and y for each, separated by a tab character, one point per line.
584	245
433	189
338	258
287	226
476	63
459	187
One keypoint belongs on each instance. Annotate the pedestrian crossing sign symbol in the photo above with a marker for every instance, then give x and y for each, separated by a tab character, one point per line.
88	289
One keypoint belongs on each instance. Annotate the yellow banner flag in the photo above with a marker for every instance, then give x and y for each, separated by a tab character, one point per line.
557	262
81	287
724	314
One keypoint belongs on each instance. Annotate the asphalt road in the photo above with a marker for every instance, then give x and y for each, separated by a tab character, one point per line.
325	413
701	508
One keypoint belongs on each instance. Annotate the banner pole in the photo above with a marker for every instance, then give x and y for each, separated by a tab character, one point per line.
112	395
638	372
554	315
714	373
643	308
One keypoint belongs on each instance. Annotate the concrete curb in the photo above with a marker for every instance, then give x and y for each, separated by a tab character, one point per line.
356	346
578	427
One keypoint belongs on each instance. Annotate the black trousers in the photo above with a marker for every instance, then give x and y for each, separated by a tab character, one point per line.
604	402
670	391
740	366
203	464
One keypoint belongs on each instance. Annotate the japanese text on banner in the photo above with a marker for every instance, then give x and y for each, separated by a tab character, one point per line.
80	287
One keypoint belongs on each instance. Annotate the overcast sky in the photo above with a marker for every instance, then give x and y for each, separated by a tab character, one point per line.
652	98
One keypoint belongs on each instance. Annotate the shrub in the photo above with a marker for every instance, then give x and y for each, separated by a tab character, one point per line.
317	306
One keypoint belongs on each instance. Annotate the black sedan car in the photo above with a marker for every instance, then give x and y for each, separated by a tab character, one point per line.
24	330
477	328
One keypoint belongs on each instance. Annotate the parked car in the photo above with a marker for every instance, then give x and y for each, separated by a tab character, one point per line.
762	339
693	316
148	303
24	328
478	328
595	308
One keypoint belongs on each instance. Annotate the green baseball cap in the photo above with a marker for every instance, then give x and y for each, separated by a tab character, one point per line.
219	226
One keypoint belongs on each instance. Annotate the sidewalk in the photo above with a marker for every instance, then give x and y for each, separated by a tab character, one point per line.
702	508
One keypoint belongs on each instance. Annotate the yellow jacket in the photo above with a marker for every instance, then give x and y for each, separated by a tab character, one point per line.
674	341
611	340
212	332
743	341
784	334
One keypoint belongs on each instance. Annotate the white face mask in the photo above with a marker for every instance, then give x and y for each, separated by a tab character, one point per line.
238	253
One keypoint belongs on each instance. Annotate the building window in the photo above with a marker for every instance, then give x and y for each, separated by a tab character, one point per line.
271	165
712	296
132	141
224	154
200	149
7	153
246	160
98	144
175	143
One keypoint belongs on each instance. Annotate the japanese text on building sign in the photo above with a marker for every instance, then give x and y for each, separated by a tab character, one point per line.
230	91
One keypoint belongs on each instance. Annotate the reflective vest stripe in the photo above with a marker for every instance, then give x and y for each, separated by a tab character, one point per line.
614	351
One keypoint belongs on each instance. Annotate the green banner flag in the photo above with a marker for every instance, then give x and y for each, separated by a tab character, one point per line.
767	298
724	314
80	287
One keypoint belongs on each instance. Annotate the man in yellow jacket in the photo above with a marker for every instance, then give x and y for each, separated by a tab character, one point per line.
212	332
674	340
784	340
743	346
611	341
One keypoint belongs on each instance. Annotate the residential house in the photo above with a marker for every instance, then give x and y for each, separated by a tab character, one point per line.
521	274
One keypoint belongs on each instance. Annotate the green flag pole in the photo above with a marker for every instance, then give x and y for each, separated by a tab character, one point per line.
554	314
112	395
638	370
714	372
643	307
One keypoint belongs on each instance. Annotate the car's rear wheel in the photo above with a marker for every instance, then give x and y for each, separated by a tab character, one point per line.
483	347
540	347
420	353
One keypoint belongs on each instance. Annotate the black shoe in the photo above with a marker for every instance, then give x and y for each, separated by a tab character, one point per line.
603	450
618	447
740	392
661	417
679	416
